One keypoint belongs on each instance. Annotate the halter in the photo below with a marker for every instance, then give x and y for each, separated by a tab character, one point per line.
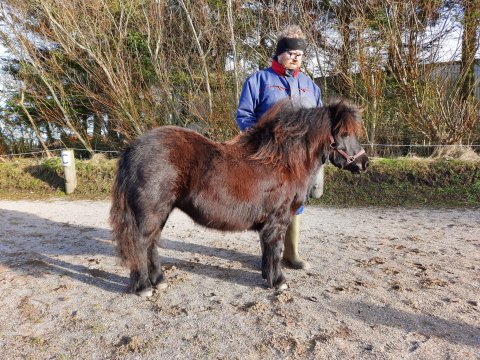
349	158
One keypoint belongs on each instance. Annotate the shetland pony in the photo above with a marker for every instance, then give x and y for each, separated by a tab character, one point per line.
255	181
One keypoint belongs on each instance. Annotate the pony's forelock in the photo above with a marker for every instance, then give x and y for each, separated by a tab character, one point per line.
346	118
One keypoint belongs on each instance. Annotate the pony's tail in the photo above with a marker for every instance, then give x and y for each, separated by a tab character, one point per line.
122	219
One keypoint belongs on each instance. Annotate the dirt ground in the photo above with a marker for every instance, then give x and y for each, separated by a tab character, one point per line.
383	284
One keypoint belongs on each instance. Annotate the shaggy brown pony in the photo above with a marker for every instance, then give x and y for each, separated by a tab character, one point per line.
256	181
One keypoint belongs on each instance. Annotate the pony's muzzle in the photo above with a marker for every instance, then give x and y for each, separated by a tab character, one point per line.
359	165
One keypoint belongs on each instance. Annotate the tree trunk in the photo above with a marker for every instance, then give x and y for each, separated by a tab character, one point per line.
3	145
97	129
470	43
34	126
345	65
234	48
201	53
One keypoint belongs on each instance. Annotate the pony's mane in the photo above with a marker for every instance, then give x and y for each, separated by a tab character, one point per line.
290	136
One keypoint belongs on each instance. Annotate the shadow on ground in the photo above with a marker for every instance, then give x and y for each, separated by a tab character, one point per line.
47	175
35	246
425	324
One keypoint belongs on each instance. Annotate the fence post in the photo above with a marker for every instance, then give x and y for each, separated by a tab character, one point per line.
68	163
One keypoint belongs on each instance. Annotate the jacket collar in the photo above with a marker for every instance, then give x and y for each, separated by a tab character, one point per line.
280	69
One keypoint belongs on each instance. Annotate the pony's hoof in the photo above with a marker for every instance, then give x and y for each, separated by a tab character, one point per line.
161	286
145	292
282	287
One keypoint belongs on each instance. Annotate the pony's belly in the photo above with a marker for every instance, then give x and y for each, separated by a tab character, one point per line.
218	218
221	224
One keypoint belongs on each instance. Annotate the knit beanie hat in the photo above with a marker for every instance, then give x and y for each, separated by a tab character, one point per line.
288	44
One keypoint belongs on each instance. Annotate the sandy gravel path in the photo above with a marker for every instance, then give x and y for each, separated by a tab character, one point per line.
384	284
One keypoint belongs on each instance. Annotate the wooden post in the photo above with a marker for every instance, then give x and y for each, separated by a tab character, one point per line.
68	163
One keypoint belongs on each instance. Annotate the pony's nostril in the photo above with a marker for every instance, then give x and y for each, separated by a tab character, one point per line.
367	164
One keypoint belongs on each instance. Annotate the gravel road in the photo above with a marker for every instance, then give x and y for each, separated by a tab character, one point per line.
384	283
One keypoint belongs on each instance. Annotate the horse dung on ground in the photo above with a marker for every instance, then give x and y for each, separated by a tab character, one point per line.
255	181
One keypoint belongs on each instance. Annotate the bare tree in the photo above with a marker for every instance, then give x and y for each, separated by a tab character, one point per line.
32	122
432	102
231	26
201	52
105	72
470	45
54	87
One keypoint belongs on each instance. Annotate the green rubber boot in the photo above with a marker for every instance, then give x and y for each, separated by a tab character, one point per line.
290	251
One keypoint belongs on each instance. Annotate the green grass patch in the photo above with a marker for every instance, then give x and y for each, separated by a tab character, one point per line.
405	182
409	182
44	179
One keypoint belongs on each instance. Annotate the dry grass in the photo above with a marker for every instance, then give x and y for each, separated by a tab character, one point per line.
459	152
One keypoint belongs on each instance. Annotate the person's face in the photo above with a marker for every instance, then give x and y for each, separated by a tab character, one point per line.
291	59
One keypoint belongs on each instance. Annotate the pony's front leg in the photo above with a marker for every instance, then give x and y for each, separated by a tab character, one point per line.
272	246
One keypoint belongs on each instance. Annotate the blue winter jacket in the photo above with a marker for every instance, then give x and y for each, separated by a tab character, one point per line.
266	87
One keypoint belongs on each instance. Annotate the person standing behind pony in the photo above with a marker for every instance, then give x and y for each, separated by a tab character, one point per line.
283	79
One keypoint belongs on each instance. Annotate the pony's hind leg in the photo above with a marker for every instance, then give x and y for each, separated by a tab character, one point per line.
148	271
140	283
155	272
